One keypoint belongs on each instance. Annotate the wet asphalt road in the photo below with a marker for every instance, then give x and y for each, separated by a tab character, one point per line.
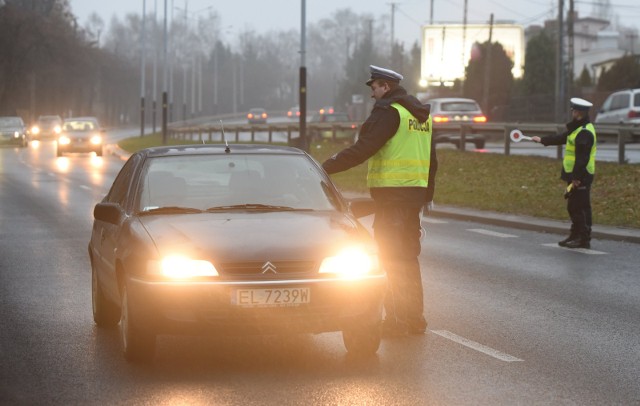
513	319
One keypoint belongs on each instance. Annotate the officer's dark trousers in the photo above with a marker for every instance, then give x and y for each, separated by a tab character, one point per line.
397	233
579	208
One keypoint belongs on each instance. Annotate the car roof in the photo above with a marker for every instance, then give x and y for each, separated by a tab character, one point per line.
208	149
451	99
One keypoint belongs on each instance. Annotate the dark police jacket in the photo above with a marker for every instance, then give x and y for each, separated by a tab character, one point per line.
379	127
584	143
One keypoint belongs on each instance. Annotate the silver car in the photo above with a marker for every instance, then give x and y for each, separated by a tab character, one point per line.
80	134
456	110
620	108
13	131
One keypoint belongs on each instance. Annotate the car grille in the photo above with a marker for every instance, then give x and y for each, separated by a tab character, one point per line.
258	269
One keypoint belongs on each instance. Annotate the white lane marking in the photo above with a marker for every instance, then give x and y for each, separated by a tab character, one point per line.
491	233
434	221
476	346
582	250
85	187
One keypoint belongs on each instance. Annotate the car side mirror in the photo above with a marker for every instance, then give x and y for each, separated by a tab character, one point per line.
108	212
362	206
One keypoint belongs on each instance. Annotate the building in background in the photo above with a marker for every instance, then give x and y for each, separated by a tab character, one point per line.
447	49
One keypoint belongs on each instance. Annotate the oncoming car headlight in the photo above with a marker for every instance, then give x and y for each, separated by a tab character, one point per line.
57	129
64	140
35	129
96	140
179	267
350	263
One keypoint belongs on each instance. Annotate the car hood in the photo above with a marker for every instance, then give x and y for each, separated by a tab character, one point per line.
250	236
11	128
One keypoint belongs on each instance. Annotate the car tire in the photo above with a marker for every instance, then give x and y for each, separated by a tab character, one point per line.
105	313
137	345
58	152
362	340
99	152
479	144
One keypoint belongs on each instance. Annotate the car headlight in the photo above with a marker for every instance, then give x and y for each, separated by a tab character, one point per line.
179	267
16	134
35	129
350	263
64	140
57	129
96	140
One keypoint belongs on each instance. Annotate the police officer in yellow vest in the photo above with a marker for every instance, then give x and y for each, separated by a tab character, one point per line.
396	139
578	169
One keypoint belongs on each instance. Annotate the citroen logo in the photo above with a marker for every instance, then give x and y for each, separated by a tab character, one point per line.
268	267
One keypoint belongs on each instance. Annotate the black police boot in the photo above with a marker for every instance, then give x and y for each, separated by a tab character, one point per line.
417	325
564	242
578	242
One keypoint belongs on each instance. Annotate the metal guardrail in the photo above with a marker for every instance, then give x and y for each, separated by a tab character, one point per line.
209	132
621	134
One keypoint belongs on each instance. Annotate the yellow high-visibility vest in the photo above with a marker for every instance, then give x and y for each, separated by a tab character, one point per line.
569	160
404	160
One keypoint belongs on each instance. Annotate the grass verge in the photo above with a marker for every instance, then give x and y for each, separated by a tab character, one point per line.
523	185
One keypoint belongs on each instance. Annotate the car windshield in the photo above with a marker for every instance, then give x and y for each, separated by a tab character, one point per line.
459	106
80	125
10	122
247	182
48	120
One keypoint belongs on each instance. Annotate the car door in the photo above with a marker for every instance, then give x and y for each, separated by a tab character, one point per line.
620	107
105	235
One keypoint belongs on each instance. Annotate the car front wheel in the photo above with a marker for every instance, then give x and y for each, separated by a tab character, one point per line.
105	313
362	339
137	345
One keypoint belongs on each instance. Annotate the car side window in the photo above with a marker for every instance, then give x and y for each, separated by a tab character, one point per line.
636	100
122	184
620	101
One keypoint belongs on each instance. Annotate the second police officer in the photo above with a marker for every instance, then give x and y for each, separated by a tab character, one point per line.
578	169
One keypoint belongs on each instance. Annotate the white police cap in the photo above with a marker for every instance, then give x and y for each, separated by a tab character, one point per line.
382	73
580	104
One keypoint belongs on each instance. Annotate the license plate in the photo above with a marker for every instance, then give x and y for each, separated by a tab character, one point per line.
271	297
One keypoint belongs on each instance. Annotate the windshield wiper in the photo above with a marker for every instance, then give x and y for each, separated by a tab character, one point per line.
171	210
254	206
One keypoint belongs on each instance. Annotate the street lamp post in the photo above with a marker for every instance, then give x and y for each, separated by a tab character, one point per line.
304	144
164	84
142	67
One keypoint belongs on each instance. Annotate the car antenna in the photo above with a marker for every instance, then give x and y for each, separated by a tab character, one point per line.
227	150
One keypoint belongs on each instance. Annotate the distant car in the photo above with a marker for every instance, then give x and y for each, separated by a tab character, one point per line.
332	117
327	110
13	131
620	108
257	116
46	127
456	110
80	134
185	242
294	112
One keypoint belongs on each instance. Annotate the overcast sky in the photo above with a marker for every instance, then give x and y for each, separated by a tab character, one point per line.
265	15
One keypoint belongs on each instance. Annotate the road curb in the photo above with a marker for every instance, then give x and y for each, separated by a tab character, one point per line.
535	224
